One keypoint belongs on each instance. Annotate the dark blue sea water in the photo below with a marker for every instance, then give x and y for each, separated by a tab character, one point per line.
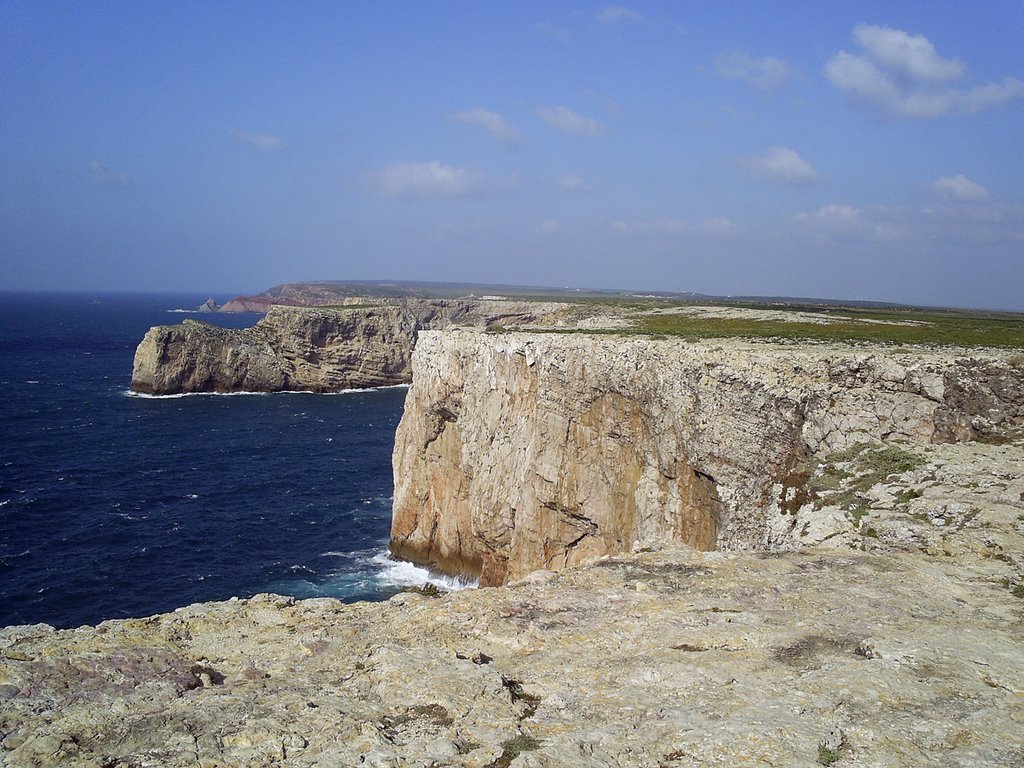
114	505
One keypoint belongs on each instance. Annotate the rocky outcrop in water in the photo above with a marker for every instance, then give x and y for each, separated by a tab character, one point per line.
519	452
292	348
315	349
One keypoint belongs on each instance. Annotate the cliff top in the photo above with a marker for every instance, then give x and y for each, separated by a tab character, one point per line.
899	655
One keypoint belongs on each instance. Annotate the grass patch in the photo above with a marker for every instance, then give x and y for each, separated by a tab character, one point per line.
427	590
972	329
846	477
1017	590
907	495
512	748
827	755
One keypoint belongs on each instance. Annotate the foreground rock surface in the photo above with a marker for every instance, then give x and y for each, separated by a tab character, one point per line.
521	451
674	658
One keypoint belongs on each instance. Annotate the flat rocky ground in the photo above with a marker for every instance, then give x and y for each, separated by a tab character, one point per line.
901	648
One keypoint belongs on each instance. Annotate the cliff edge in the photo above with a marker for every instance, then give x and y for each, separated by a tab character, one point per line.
519	452
315	349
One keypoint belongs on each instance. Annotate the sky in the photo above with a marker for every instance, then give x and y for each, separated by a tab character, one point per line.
862	150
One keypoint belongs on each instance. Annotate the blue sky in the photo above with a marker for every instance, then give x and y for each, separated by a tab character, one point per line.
842	150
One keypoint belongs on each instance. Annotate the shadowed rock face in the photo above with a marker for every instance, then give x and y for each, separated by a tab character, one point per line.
519	452
290	349
316	349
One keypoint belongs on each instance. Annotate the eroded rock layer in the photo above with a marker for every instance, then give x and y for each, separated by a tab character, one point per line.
525	451
316	349
669	659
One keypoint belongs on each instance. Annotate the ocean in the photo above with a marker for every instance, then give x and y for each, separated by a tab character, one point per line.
115	505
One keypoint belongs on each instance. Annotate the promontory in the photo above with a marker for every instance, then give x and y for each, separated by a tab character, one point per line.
726	535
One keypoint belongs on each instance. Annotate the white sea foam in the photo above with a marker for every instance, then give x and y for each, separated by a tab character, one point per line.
402	574
144	396
184	311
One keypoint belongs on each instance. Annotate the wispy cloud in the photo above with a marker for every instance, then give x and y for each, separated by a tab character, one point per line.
765	74
959	187
719	227
567	121
492	122
615	14
905	76
103	175
573	183
781	164
550	226
667	226
972	220
849	222
264	142
432	179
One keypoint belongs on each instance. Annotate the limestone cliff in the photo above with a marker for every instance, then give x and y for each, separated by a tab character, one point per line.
525	451
671	658
290	349
316	349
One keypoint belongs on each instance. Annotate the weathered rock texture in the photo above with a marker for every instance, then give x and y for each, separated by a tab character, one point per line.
290	349
669	659
316	349
526	451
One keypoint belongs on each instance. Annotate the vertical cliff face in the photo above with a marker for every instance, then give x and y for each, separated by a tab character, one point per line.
317	349
292	348
518	452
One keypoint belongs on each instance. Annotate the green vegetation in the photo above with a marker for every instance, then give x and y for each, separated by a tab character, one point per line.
847	476
1017	590
348	306
827	755
427	590
926	327
512	748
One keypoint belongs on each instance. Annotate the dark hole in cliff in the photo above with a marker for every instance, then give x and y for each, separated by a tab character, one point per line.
438	418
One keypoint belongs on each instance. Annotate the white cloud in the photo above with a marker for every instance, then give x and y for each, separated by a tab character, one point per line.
567	121
491	121
613	14
912	56
766	74
904	75
261	141
103	175
838	214
781	164
959	187
668	226
432	179
573	183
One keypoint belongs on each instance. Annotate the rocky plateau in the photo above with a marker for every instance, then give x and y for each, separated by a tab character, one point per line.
717	552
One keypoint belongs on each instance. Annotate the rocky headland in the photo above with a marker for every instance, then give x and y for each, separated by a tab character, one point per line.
905	650
362	343
713	552
521	451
